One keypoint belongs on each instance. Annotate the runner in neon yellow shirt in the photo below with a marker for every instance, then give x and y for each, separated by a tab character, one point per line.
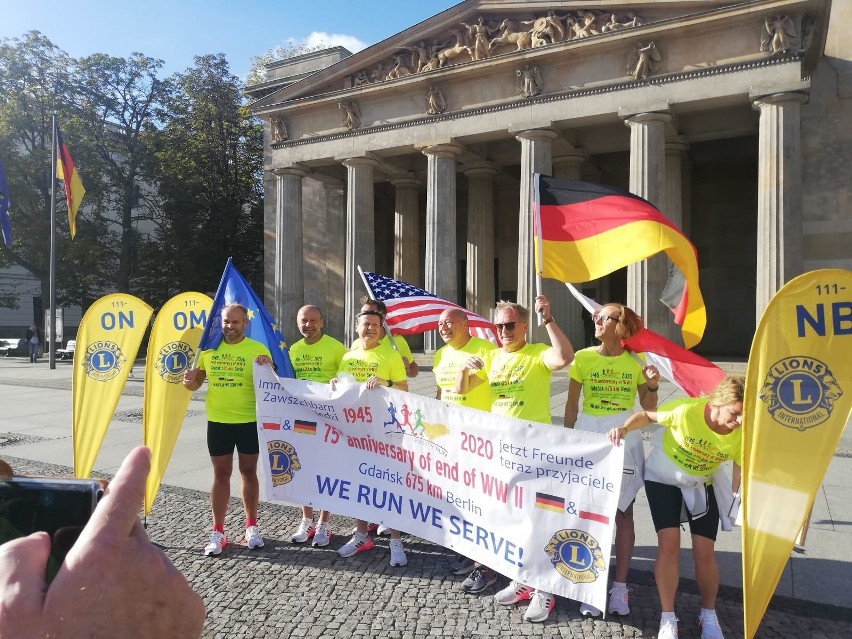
232	421
315	357
611	379
701	433
399	344
519	375
459	346
375	367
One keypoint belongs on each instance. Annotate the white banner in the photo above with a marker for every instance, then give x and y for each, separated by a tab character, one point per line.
531	501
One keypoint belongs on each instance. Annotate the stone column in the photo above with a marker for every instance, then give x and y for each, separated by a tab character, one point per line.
563	305
535	158
407	265
480	239
779	195
441	259
334	310
289	284
360	234
645	280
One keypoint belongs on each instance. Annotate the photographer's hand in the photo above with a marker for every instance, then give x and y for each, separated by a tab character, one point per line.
114	582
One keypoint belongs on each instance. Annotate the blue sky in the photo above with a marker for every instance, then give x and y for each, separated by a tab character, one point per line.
176	30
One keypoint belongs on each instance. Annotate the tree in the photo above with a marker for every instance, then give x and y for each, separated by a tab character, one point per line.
119	98
209	156
35	83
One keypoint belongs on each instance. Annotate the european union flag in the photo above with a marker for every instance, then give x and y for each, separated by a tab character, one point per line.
5	203
233	289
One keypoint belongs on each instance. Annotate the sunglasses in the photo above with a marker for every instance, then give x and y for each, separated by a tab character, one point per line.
509	326
602	319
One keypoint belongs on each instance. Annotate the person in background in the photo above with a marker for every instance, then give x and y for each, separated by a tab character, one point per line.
611	379
33	338
684	471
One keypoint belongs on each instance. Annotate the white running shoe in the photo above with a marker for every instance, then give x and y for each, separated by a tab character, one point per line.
217	542
588	610
253	538
383	530
541	603
513	593
322	536
710	628
360	542
398	557
618	601
305	531
668	629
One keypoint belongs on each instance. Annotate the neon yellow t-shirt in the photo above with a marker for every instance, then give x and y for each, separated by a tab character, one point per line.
401	345
381	362
317	362
446	365
230	380
520	382
609	384
690	443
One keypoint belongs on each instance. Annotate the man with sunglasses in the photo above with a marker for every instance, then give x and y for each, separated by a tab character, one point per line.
519	375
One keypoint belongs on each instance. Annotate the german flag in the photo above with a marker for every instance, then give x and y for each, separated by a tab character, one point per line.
67	172
305	428
549	502
585	231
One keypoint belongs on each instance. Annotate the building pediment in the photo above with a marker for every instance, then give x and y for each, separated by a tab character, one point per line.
479	54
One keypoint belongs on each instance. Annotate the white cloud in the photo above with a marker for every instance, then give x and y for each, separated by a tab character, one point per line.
317	38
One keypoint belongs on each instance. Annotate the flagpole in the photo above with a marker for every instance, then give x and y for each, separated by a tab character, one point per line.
537	235
372	297
51	339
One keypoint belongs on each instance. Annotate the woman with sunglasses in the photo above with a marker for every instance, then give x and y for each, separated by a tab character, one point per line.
683	471
610	379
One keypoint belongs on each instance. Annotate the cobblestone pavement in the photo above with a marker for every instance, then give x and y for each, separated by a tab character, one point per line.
290	590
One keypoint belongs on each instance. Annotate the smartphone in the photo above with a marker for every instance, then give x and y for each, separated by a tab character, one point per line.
59	507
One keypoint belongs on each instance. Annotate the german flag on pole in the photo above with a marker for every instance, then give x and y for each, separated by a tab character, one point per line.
585	231
67	172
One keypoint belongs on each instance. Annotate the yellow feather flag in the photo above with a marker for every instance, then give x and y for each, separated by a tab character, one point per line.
107	343
798	398
171	351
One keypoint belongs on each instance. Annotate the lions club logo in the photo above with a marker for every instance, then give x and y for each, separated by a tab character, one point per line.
103	361
283	462
576	555
173	360
800	392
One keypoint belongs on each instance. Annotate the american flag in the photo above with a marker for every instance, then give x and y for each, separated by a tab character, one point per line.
412	310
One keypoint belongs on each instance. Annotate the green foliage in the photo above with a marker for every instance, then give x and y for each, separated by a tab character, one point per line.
257	73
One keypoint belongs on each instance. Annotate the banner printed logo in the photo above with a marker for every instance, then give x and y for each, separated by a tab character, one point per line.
415	424
173	360
103	361
283	462
800	392
576	555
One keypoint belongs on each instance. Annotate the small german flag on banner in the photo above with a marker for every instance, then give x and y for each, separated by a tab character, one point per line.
305	428
271	426
550	502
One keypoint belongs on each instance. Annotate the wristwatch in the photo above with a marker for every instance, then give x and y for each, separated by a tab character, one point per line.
547	321
390	384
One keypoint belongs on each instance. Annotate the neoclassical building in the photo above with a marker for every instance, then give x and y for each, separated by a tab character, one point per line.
413	158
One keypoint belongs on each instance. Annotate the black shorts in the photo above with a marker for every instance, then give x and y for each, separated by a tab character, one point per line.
666	504
223	438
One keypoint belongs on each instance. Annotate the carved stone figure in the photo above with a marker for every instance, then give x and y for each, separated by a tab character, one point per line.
434	63
451	52
779	34
478	34
279	130
509	34
399	69
378	74
421	53
351	114
360	79
435	103
529	83
584	25
646	60
615	25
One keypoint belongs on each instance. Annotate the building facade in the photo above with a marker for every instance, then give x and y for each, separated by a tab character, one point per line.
414	157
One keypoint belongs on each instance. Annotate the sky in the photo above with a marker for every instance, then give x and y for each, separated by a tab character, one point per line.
176	30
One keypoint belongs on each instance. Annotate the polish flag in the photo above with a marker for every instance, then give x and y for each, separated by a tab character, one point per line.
689	371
